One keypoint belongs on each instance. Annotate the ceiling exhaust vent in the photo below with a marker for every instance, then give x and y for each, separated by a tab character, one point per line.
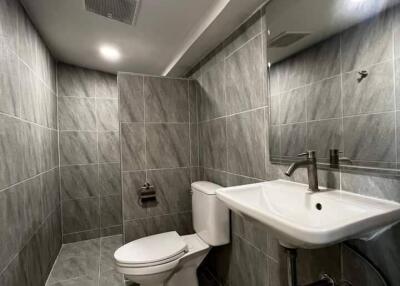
124	11
286	39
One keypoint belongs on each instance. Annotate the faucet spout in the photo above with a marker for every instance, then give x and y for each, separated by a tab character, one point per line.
311	164
294	166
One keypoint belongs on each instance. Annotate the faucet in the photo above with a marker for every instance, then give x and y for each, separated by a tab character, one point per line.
311	163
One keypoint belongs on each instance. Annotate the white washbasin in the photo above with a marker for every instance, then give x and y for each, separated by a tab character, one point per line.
292	212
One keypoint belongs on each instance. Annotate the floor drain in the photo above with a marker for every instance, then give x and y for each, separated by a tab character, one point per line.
318	206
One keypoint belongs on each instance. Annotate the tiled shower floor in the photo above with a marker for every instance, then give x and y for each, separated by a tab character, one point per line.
87	263
90	263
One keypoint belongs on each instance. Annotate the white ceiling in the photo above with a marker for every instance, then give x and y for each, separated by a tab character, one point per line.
168	37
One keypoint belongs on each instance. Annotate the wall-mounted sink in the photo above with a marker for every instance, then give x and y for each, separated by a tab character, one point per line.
303	219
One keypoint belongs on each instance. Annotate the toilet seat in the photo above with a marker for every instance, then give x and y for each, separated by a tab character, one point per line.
151	254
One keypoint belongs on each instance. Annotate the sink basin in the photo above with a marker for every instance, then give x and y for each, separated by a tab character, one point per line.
303	219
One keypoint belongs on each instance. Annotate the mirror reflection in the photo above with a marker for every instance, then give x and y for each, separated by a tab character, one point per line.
334	81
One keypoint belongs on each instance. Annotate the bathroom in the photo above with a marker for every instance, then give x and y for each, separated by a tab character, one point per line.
150	142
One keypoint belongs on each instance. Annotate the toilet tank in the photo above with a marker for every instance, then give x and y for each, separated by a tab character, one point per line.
210	215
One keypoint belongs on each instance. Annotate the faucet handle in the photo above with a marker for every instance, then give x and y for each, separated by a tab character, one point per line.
310	154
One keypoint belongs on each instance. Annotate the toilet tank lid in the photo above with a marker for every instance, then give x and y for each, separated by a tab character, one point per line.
205	187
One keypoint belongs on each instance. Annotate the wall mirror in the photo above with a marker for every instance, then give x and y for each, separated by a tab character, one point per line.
334	81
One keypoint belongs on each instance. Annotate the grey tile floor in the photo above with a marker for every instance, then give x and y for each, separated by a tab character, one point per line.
87	263
90	263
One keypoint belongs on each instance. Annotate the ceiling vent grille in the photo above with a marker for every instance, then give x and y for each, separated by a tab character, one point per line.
124	11
286	39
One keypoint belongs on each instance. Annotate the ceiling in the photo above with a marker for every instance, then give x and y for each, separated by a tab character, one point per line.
322	18
168	37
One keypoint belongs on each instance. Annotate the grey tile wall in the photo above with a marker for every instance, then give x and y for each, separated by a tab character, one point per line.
159	144
307	97
89	146
30	236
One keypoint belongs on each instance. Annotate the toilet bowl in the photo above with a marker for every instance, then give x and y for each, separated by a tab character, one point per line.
174	265
170	259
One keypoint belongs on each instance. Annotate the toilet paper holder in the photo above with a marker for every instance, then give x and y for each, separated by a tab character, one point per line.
147	195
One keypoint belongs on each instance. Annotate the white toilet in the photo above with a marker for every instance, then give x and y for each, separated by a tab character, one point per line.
170	259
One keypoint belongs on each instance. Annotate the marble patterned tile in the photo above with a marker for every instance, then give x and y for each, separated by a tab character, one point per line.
166	99
373	94
106	85
10	11
33	205
275	109
131	97
293	139
131	184
379	186
109	179
370	137
75	81
181	223
80	281
111	278
172	188
293	106
78	147
12	221
322	60
109	147
107	114
246	144
77	113
79	182
30	264
368	43
324	135
11	147
194	145
133	146
111	230
13	274
194	94
213	144
167	145
80	236
248	265
275	141
27	40
9	93
243	78
80	215
30	96
397	82
110	211
215	176
212	99
50	183
108	246
244	33
324	99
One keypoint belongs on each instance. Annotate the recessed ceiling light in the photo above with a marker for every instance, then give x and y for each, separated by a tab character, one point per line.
110	53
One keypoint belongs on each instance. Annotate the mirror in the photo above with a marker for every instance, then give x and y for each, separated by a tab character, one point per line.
334	80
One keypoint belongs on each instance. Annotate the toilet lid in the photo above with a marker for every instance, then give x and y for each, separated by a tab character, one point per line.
151	249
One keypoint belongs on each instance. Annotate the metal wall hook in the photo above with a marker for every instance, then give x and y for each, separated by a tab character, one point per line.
363	74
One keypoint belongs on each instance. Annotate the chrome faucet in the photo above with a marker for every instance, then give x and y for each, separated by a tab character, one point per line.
311	163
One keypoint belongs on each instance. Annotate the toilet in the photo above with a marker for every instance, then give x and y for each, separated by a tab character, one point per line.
170	259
